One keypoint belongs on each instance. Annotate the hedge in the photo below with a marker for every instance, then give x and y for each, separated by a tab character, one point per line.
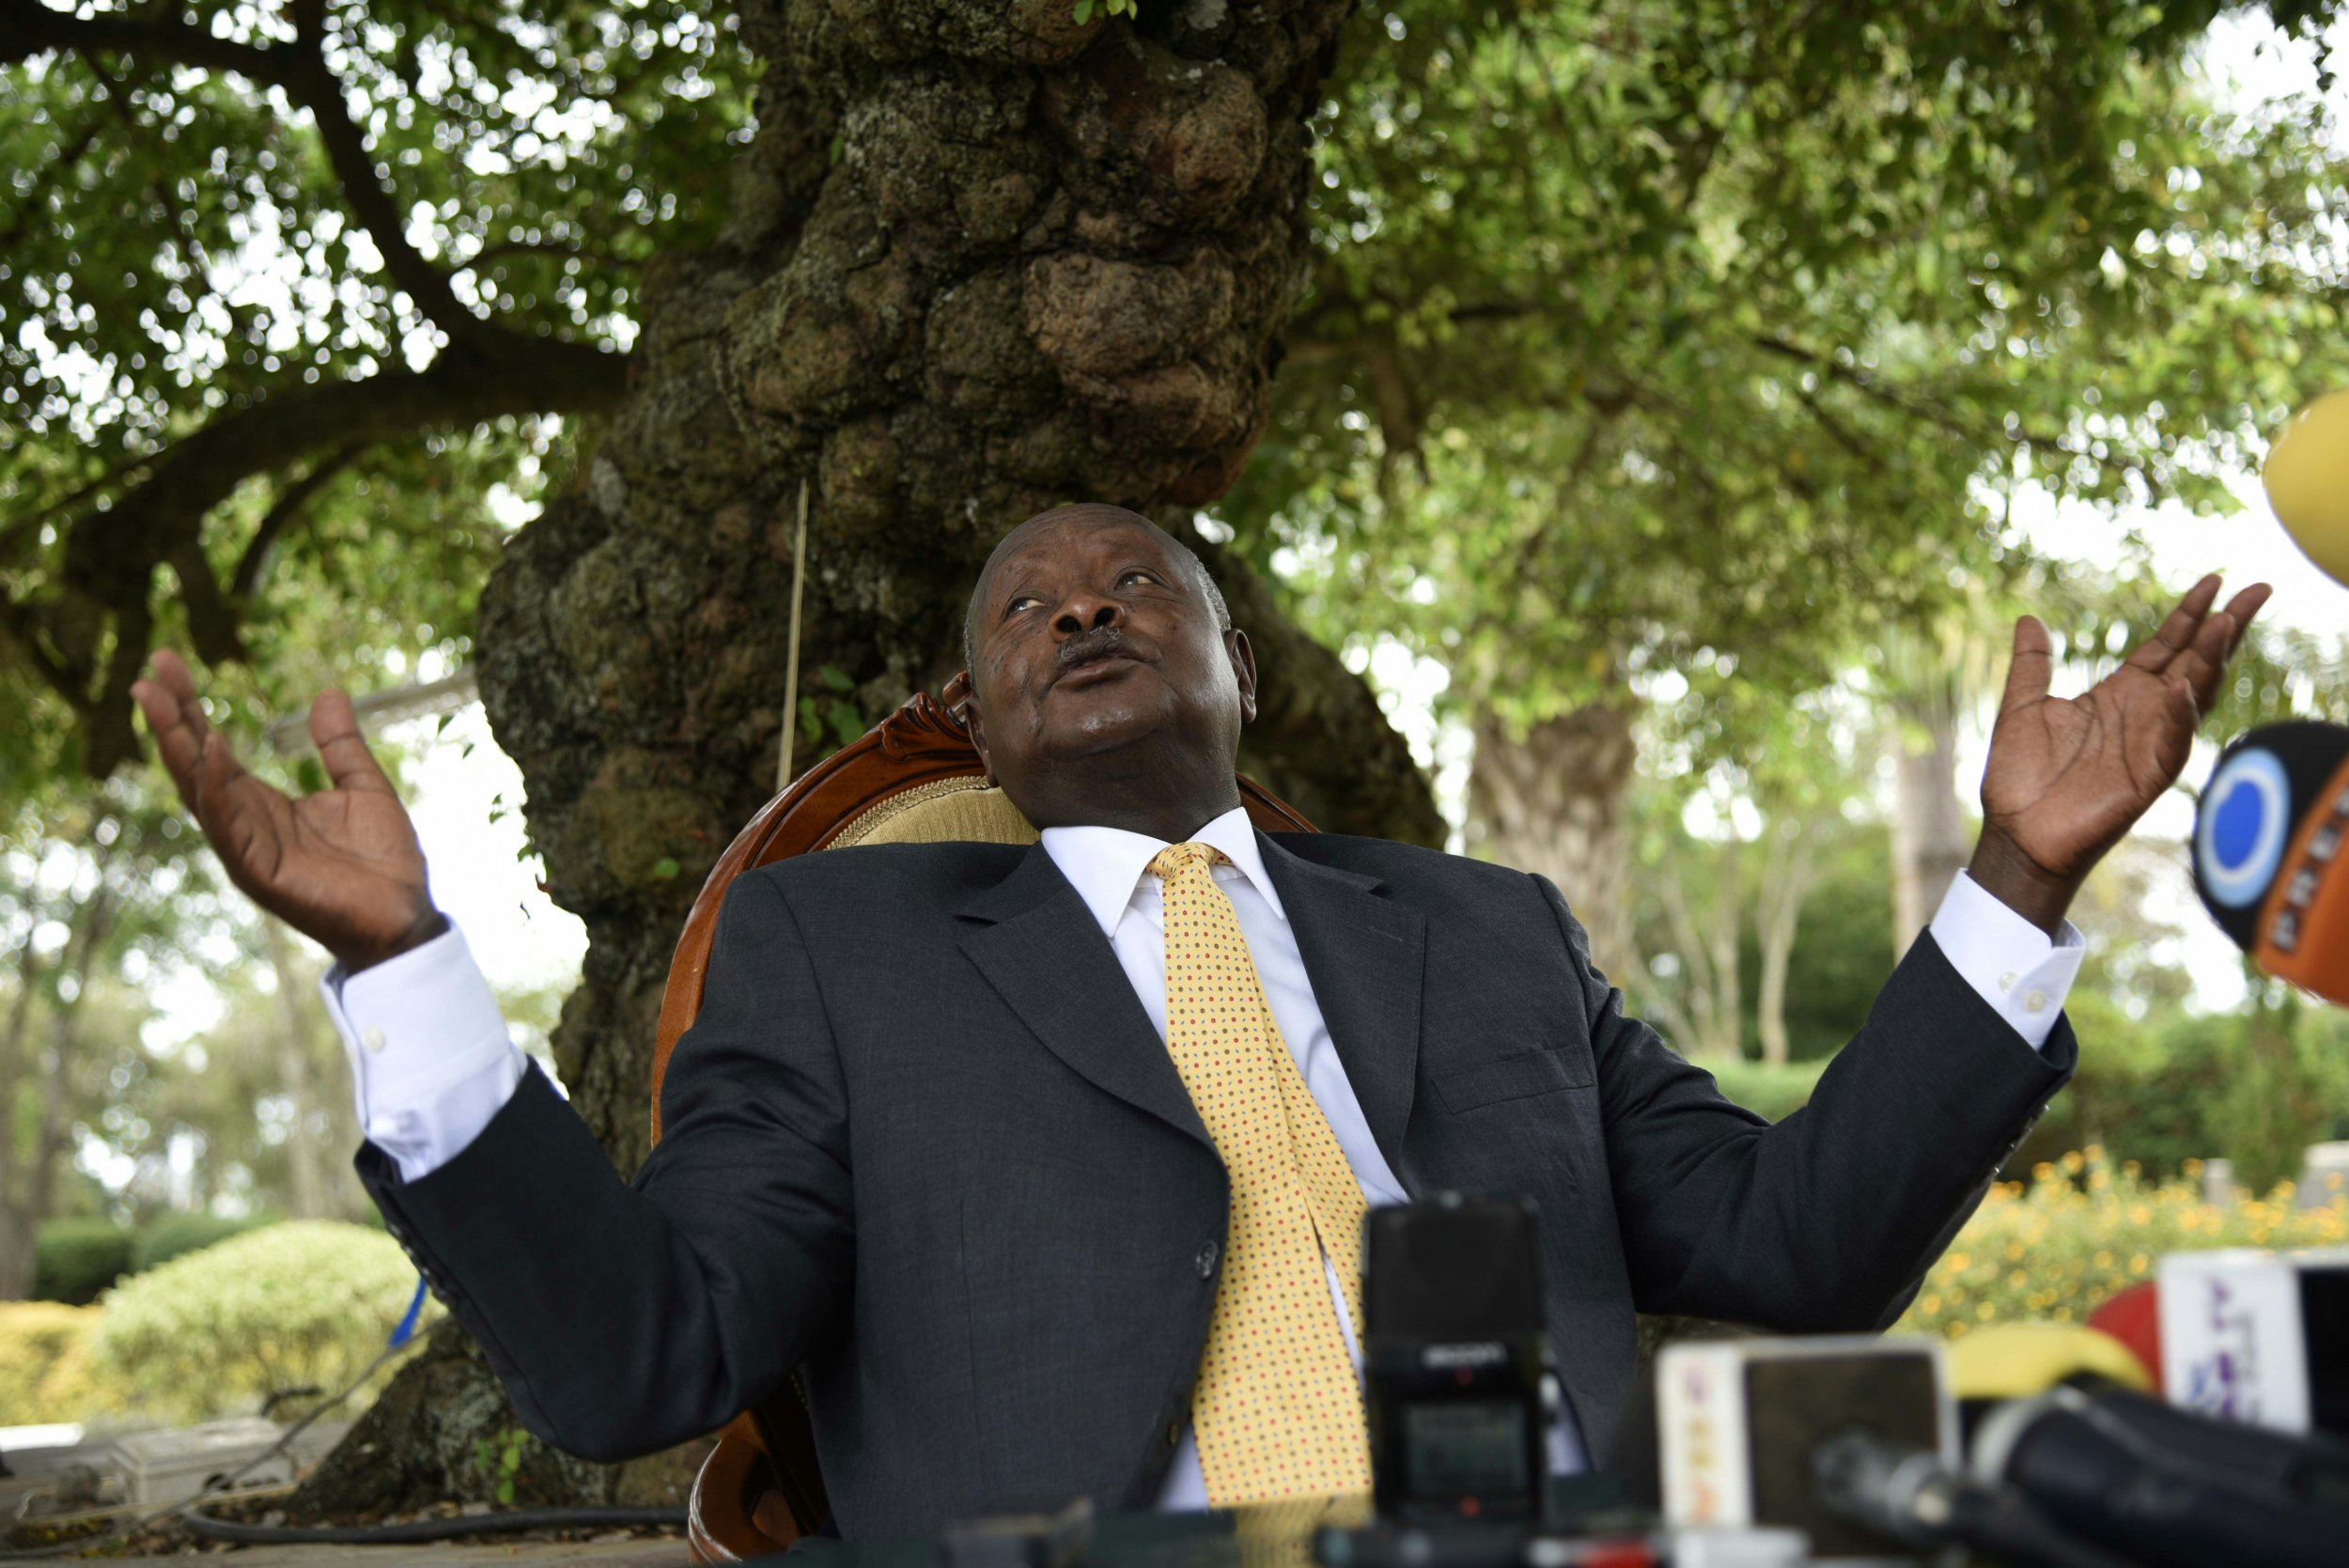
2083	1230
76	1259
301	1303
176	1234
48	1371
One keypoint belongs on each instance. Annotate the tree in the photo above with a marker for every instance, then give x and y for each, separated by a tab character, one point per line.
88	904
1708	340
975	259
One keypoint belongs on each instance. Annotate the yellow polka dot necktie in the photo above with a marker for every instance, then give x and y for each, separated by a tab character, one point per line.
1279	1411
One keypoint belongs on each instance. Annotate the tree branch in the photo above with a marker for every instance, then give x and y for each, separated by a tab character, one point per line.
111	556
282	514
28	27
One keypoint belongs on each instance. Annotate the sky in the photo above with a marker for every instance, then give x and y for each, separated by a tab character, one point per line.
463	791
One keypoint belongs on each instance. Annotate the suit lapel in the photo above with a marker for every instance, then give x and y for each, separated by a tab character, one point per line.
1367	959
1040	948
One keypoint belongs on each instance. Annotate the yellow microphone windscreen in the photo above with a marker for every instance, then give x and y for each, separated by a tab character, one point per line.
2307	475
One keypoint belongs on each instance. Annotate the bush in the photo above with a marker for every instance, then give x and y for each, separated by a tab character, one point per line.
2082	1232
2255	1087
303	1303
47	1370
1776	1093
76	1259
177	1234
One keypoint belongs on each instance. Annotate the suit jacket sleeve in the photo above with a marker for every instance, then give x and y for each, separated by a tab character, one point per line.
624	1317
1828	1220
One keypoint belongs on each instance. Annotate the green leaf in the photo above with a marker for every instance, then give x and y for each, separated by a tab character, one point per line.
666	869
846	722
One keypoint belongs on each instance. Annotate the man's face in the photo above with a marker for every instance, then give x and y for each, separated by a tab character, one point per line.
1090	638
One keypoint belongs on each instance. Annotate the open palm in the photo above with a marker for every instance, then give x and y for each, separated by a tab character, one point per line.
2067	777
341	866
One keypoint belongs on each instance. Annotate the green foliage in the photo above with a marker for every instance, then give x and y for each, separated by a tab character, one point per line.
1775	1093
1714	339
2168	1091
305	1303
47	1370
499	1459
246	207
176	1233
2083	1230
78	1259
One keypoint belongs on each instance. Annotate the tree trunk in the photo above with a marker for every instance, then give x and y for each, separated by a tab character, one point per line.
1777	917
982	259
305	1146
1928	821
1551	801
69	986
18	1229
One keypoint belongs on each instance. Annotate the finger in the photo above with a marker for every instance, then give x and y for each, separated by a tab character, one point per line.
2243	606
2027	677
2203	666
335	729
175	743
217	771
2177	633
172	672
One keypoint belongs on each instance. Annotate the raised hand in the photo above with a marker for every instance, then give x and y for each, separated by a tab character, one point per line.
2067	777
341	866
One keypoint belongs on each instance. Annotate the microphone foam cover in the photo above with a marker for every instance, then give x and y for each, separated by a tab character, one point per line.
2307	477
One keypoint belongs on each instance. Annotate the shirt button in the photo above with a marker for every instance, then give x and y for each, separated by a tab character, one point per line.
372	1039
2035	1002
1204	1261
2006	981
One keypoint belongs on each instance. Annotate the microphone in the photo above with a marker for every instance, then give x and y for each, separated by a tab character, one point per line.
2258	1336
2094	1472
1738	1421
2270	839
2307	477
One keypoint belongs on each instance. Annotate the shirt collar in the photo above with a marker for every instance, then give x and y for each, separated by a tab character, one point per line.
1106	864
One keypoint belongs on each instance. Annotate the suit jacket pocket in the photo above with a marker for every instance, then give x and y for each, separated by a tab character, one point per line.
1514	1077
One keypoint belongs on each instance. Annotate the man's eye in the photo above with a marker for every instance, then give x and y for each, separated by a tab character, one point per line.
1021	600
1137	575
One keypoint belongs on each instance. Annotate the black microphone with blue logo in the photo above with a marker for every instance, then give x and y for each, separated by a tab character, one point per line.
2270	837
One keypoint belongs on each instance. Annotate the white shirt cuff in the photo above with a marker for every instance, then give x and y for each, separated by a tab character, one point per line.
430	1059
2018	969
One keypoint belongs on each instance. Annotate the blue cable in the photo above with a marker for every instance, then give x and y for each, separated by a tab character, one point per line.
406	1329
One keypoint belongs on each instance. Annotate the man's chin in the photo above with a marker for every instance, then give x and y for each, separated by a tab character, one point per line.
1100	732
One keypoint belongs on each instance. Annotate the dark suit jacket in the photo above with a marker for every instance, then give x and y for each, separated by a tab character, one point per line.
924	1139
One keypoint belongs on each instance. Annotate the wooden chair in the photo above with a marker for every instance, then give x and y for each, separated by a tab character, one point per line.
914	778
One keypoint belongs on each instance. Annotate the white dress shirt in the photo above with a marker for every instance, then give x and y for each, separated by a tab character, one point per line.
432	1062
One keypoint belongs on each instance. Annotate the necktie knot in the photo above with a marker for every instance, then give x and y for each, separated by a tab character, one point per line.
1177	859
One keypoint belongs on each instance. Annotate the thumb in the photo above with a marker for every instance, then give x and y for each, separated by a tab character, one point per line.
335	729
2027	677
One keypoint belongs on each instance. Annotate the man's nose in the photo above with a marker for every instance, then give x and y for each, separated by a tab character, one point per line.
1084	612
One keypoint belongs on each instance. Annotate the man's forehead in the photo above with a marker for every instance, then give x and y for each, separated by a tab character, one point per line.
1066	529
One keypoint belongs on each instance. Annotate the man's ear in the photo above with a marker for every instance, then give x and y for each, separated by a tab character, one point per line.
973	721
1243	672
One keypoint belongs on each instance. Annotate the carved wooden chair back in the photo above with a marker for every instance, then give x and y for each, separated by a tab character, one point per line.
914	778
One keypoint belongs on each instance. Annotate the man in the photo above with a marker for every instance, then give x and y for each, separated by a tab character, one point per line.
1049	1163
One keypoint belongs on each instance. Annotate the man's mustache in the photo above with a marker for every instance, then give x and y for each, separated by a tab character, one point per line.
1095	643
